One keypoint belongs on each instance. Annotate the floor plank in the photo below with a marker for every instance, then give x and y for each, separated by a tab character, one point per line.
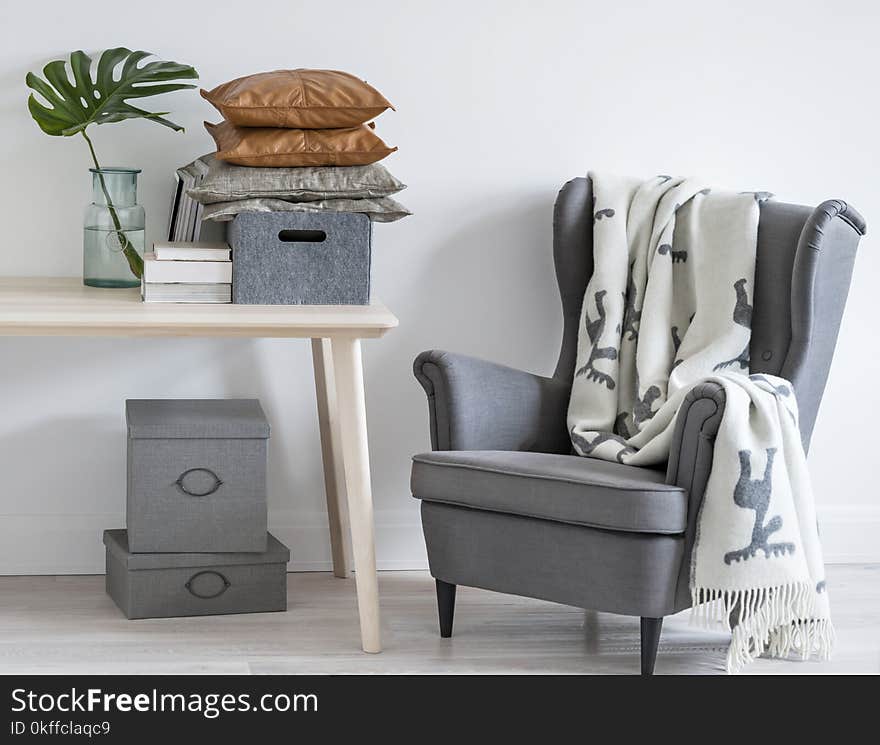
67	625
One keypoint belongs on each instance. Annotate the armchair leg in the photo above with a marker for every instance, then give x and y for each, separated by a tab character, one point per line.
650	628
445	607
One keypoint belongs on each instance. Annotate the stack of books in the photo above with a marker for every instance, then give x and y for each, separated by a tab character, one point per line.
185	222
188	272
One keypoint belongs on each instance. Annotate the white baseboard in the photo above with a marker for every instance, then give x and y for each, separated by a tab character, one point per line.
850	534
71	544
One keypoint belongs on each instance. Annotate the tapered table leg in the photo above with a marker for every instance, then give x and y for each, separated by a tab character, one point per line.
331	452
348	373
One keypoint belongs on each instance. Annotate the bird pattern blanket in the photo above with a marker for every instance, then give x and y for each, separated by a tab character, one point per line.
668	307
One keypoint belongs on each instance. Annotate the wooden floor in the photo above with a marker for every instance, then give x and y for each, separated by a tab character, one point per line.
68	625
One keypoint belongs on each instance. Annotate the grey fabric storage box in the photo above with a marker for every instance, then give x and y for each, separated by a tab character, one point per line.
289	258
196	475
195	584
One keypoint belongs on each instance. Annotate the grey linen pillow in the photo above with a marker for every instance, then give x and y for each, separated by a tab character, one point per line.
226	182
383	209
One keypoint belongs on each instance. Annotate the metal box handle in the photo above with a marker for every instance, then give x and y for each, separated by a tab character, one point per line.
218	482
224	588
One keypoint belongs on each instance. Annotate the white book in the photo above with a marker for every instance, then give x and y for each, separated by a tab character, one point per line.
192	251
178	292
194	272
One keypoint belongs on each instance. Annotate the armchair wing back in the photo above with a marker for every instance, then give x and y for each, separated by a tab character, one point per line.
804	265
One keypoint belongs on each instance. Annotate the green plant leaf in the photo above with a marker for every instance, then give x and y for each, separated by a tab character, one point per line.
76	98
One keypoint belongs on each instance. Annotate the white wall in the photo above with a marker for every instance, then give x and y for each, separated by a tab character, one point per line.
498	104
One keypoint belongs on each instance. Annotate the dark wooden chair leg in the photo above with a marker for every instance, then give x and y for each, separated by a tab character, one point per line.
650	641
445	607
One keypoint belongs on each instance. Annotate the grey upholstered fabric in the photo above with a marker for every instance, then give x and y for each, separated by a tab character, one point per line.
580	491
821	276
804	264
690	462
523	412
573	258
629	573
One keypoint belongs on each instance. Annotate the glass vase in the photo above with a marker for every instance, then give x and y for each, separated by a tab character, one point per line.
113	235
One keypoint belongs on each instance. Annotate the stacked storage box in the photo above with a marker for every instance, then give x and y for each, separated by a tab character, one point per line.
289	258
196	541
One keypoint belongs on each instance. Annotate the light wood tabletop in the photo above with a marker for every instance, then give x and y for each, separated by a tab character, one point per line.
63	306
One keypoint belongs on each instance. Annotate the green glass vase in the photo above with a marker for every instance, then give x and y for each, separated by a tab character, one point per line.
113	235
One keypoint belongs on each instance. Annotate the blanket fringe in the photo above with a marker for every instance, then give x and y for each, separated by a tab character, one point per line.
776	621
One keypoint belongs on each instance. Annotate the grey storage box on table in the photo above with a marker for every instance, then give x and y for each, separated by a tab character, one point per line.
296	258
196	475
195	584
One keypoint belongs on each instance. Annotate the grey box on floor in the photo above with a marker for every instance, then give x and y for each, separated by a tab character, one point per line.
162	585
295	258
196	475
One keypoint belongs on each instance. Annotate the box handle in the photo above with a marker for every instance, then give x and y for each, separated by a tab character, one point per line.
302	236
200	596
218	482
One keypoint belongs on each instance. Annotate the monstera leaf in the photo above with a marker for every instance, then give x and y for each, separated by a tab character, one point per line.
102	99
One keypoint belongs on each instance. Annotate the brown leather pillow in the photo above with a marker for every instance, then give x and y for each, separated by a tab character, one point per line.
301	99
282	148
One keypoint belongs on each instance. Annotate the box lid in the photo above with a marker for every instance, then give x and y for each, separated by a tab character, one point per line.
169	418
117	543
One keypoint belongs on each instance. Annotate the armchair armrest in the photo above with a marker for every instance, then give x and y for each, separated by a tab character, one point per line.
690	462
690	454
479	405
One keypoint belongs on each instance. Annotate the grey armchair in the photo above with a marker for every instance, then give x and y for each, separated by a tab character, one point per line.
506	506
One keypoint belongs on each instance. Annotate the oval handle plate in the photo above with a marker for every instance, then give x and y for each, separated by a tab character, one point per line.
217	482
223	588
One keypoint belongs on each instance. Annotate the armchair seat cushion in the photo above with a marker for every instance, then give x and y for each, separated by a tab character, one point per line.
561	488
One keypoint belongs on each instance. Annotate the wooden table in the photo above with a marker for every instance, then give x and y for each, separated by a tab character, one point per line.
40	306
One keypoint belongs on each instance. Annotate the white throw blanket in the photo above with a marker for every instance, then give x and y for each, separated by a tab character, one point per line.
668	307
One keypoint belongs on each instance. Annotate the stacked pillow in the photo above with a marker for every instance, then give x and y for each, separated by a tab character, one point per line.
298	118
228	189
297	140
